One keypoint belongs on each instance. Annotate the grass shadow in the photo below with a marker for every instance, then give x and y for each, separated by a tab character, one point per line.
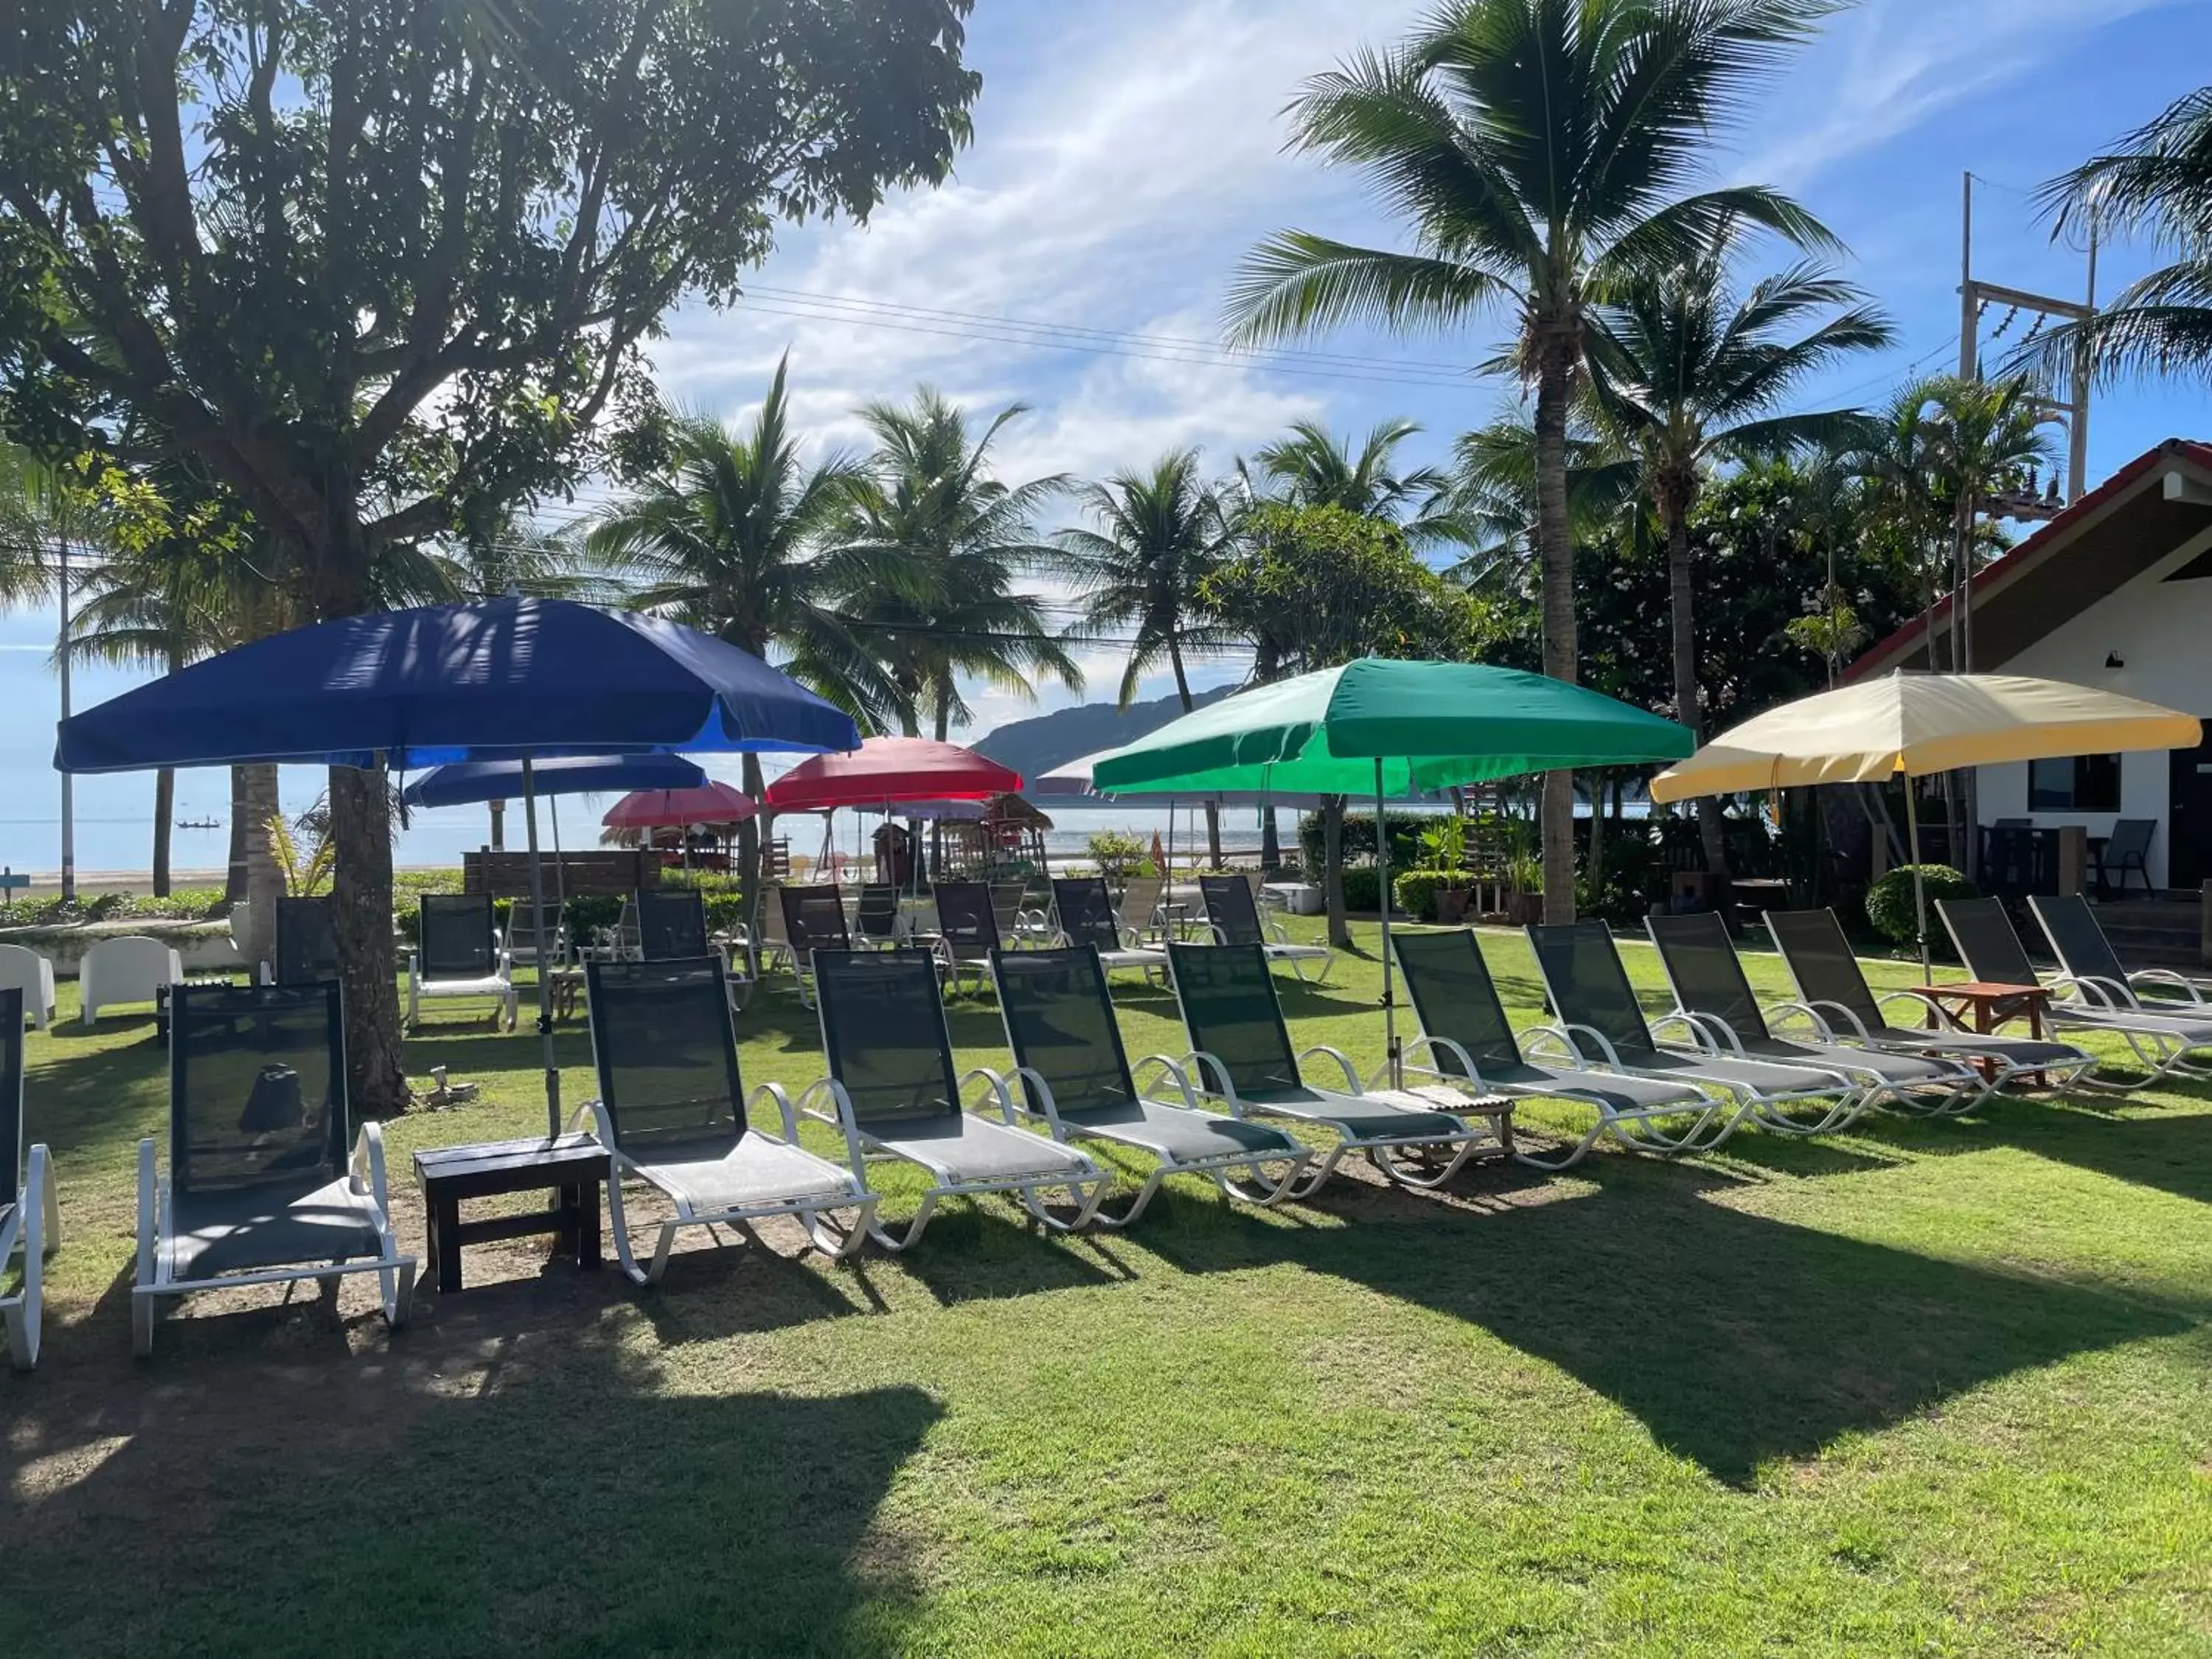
2173	1153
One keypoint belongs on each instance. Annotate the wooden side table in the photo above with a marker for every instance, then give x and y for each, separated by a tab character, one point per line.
572	1167
1987	1006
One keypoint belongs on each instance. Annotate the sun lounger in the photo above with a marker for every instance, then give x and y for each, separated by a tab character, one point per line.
897	1093
1834	993
458	955
125	970
1712	989
1601	1023
520	936
30	1217
1074	1075
813	920
1991	949
1084	914
1241	1054
1235	920
32	974
967	930
671	1114
260	1190
1471	1047
671	925
2078	941
875	918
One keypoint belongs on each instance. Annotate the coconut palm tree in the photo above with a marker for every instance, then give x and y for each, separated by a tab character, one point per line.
1159	534
730	535
1313	467
1983	438
1492	502
1541	152
1685	371
930	546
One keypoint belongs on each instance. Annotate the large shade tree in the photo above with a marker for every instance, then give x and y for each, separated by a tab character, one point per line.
379	266
1542	153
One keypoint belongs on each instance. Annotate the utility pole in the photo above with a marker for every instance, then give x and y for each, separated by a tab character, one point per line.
69	796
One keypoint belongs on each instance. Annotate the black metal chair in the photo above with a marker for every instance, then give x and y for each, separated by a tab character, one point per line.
30	1216
2126	851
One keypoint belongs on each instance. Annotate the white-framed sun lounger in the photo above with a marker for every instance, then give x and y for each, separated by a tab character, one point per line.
1233	918
30	1212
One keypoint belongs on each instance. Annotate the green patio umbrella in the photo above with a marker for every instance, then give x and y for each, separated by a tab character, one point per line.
1386	726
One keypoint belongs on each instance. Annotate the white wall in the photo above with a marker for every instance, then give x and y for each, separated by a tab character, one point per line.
2162	631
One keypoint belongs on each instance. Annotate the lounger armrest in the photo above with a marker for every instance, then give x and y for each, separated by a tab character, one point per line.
365	1173
414	965
998	1086
1571	1032
1198	1063
843	1118
1433	1046
1220	935
2141	976
1925	1004
785	1110
1276	931
1779	1012
1351	1077
1039	1090
1711	1033
150	1206
42	1215
2092	992
1172	1068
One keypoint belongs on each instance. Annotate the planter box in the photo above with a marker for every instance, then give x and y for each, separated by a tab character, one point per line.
1451	906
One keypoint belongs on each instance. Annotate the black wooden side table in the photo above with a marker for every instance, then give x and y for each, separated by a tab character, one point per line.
572	1167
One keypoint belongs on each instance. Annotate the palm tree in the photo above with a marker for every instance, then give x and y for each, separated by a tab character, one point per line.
1685	371
1492	502
1983	438
2158	180
1313	468
930	547
1159	534
729	535
1538	149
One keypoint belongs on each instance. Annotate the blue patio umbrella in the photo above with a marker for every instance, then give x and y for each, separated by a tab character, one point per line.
520	679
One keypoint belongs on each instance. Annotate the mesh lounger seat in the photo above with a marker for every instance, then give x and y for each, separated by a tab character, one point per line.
1833	992
32	974
1235	920
893	1083
1075	1075
260	1190
1991	949
1241	1053
459	956
1711	988
1471	1047
967	930
125	970
1085	911
1599	1020
30	1216
671	1114
307	942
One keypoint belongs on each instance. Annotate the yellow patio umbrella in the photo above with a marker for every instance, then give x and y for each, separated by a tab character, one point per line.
1919	724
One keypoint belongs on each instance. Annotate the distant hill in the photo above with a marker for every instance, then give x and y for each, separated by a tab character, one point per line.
1033	746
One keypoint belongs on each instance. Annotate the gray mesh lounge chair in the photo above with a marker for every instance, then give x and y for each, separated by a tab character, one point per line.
1241	1053
458	955
813	920
260	1190
307	942
1991	949
1600	1021
1075	1076
967	930
672	1113
30	1216
1471	1046
1142	916
896	1094
876	919
1834	993
520	936
2078	941
1085	912
1235	920
1711	988
671	925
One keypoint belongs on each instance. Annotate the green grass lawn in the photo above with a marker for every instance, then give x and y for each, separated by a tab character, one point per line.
1919	1387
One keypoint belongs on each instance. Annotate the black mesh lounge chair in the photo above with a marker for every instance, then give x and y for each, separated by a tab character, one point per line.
1991	949
1471	1047
30	1217
672	1113
671	925
2078	941
2123	852
458	955
260	1189
1241	1054
813	920
307	942
1710	989
896	1094
1601	1022
1075	1076
1235	920
1834	991
1085	912
875	920
967	930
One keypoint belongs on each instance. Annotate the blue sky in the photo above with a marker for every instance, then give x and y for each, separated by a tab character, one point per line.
1128	155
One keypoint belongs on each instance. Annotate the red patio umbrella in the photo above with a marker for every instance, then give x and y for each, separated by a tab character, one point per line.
887	769
655	809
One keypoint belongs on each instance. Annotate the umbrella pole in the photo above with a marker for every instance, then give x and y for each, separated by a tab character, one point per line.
544	984
560	876
1382	882
1919	897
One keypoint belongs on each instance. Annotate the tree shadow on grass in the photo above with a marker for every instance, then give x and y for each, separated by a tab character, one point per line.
2172	1154
539	1493
1734	1338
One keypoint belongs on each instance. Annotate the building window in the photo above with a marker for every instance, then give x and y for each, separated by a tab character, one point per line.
2079	783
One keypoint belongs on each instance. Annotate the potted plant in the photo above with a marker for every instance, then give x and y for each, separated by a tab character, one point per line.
1524	874
1443	853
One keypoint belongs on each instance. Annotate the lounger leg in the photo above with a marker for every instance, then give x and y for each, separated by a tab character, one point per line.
1552	1165
1084	1195
141	1293
1137	1205
841	1246
896	1242
1383	1159
1258	1189
1322	1171
396	1282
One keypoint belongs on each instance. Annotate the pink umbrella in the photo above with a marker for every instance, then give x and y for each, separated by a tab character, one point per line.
654	808
887	769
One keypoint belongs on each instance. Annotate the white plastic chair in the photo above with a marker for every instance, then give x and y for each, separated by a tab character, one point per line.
132	968
34	975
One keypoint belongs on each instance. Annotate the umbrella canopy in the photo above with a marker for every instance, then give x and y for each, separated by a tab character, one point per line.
497	680
712	802
890	769
1429	723
1919	724
465	782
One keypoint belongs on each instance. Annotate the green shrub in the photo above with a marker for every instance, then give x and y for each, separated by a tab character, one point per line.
1116	854
414	883
702	881
1406	830
586	913
1416	890
1362	889
1889	901
725	912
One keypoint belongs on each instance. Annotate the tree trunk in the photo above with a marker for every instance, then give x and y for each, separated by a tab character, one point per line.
1595	865
165	810
1555	545
1332	858
234	882
361	914
265	877
1689	699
